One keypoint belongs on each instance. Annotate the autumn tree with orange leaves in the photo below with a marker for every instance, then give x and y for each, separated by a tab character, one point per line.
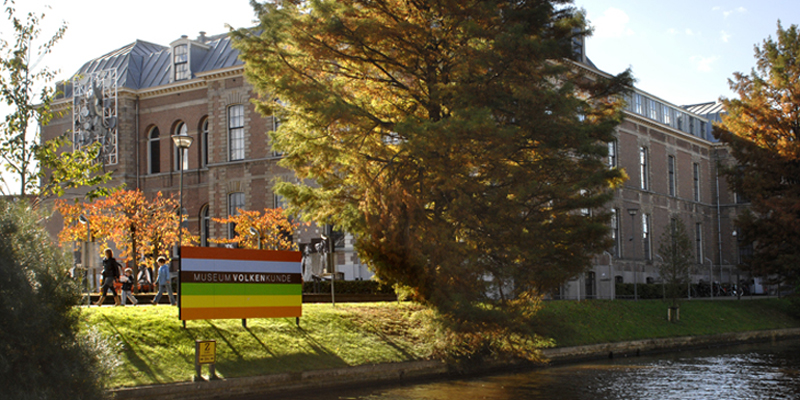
136	225
762	131
274	229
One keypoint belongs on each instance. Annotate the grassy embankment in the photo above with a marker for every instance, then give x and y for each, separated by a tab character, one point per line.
157	350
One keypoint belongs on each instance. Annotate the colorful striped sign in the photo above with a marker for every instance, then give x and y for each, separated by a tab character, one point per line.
220	283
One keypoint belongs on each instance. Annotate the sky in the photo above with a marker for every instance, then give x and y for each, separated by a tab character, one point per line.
681	51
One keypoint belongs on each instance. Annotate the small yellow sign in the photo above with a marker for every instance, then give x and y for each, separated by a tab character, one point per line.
206	351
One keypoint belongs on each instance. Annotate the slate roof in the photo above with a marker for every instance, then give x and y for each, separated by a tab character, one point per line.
142	65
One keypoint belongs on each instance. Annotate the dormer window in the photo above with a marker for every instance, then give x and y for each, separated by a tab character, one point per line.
180	54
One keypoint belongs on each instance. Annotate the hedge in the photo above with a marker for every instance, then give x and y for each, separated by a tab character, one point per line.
347	287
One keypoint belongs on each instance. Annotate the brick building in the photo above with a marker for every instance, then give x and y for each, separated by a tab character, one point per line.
134	98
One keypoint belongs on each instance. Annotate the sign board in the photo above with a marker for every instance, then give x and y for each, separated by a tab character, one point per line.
206	351
220	283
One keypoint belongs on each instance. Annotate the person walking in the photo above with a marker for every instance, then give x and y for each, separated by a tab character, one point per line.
164	281
127	286
110	276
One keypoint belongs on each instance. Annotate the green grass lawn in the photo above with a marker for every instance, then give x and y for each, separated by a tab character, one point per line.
573	323
156	349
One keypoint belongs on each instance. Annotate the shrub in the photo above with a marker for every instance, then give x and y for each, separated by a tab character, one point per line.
41	355
348	287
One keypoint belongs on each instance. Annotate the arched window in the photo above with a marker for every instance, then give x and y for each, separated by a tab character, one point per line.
204	142
181	157
205	226
154	151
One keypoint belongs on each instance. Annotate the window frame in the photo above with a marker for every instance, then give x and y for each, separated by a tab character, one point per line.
204	142
696	181
236	139
646	237
644	182
698	232
154	151
612	154
236	201
637	104
180	62
205	225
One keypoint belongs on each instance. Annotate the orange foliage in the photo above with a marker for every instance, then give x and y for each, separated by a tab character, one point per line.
126	218
273	227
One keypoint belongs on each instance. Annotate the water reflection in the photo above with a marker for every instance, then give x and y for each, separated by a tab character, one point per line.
743	372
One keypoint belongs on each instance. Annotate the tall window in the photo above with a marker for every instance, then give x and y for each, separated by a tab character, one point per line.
666	111
154	151
653	109
698	238
235	203
279	202
205	226
643	172
204	142
646	236
637	104
612	154
671	175
181	155
740	198
615	231
236	132
679	118
181	62
696	183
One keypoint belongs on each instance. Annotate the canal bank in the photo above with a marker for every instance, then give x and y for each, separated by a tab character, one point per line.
316	380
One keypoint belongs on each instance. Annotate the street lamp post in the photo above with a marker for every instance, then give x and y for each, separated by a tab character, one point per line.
738	276
610	275
182	142
632	212
85	256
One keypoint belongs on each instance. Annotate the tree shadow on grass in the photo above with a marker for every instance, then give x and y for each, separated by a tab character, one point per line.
257	339
317	356
133	353
222	336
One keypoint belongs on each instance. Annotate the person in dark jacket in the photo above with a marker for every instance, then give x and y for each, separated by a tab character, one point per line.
127	287
110	276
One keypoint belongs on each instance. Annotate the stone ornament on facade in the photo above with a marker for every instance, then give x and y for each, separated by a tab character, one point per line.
94	113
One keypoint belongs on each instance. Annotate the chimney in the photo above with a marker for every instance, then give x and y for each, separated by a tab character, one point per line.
202	38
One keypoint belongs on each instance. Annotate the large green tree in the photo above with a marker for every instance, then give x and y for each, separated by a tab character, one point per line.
762	131
40	169
455	139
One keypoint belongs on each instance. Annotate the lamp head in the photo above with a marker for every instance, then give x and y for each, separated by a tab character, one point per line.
182	141
82	219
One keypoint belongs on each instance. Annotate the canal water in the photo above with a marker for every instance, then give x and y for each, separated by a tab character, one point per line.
761	371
